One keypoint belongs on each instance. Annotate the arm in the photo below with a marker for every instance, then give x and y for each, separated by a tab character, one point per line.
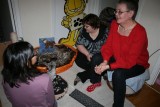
101	68
80	45
106	49
83	50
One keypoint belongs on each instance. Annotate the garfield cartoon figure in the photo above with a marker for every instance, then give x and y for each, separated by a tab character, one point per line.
73	20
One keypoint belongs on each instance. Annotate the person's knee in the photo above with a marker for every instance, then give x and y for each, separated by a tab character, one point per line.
118	74
96	59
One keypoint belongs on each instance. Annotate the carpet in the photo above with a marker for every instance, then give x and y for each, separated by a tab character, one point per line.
5	102
102	95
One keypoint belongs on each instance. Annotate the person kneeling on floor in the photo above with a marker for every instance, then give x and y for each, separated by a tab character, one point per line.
23	84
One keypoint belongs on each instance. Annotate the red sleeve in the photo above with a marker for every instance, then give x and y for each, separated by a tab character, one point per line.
138	45
106	49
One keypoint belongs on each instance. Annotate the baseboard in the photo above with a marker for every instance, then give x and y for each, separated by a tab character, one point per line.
153	88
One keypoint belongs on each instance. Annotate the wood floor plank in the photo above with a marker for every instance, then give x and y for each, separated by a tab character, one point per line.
147	97
156	87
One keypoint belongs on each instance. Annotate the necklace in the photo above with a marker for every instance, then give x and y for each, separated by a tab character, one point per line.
126	29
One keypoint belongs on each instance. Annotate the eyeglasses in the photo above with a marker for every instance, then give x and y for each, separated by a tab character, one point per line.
120	12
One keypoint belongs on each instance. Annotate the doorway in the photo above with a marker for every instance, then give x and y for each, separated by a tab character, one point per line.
5	21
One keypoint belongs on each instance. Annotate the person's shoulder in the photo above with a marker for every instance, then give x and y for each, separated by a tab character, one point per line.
42	81
45	75
81	30
84	34
140	30
114	22
103	28
140	27
42	78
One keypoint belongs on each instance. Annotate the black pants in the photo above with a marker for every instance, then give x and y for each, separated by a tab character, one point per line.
119	82
89	66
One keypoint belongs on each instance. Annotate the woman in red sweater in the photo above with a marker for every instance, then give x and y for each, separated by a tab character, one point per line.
127	43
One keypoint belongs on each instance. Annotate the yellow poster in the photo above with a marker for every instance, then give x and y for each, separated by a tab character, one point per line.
74	10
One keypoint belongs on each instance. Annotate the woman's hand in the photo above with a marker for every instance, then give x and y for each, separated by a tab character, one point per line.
34	60
84	51
89	56
101	68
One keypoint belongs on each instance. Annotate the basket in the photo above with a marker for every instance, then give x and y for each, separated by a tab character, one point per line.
62	68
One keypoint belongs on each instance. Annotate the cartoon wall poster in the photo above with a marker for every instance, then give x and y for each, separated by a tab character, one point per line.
74	10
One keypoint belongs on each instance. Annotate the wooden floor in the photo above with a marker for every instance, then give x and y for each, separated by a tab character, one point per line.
147	97
156	87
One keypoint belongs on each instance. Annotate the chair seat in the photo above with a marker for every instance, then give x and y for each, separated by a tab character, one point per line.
133	85
129	91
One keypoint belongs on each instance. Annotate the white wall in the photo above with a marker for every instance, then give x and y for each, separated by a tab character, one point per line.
58	14
35	19
150	19
42	18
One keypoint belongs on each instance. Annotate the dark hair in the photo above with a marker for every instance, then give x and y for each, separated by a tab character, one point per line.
106	16
17	64
131	5
92	20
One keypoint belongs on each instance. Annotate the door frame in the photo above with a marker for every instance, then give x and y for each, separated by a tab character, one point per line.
155	72
15	17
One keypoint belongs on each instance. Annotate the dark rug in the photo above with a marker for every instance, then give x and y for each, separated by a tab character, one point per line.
84	99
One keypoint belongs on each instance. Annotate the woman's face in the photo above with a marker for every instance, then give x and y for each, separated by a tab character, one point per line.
88	28
34	58
122	13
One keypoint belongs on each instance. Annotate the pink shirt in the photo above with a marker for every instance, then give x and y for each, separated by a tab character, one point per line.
39	93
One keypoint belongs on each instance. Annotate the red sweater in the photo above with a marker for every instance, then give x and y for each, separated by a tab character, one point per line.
127	50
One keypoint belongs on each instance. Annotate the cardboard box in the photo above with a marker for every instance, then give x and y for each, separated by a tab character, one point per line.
2	49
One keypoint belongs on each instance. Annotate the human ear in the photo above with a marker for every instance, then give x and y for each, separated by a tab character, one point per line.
34	60
131	13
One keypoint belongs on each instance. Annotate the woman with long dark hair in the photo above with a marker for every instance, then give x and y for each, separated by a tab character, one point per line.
24	86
